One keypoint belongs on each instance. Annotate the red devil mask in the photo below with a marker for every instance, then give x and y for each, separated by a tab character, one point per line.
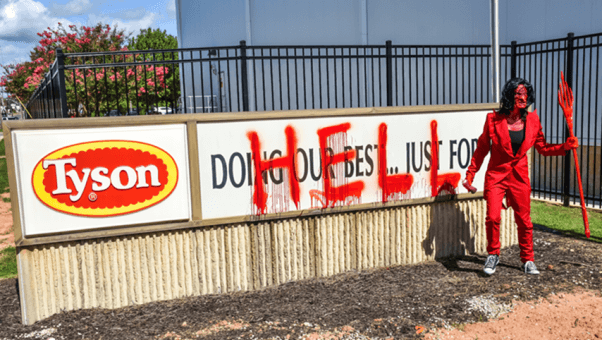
520	97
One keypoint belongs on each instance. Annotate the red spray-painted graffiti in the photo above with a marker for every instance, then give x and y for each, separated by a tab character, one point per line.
389	184
336	193
288	162
444	183
336	189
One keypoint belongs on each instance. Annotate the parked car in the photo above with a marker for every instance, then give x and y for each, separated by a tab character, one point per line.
113	113
152	111
133	112
164	110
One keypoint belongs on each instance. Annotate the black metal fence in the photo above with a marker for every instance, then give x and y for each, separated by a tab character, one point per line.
263	78
541	62
49	98
266	78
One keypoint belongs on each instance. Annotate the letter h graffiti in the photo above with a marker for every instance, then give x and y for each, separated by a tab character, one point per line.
287	161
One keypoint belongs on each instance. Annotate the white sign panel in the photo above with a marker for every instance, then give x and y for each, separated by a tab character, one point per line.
80	179
351	151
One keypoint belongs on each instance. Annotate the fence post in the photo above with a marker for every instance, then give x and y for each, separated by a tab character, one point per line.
243	75
568	76
389	56
513	60
60	62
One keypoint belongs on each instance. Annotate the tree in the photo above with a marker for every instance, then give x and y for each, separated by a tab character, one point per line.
14	80
93	89
154	40
22	79
149	39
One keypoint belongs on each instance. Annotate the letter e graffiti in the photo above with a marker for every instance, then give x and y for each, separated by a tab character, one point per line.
339	193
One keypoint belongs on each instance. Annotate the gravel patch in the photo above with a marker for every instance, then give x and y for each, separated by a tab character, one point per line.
488	306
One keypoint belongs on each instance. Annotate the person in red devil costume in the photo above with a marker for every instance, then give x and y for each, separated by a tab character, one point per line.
509	133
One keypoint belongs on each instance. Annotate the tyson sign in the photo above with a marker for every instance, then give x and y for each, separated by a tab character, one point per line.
80	179
105	178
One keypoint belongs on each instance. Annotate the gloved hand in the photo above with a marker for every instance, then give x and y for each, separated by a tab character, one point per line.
571	143
468	186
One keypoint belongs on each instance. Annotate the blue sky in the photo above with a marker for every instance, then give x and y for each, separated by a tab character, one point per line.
20	20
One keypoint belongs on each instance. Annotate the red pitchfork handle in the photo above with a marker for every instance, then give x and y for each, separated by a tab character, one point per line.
565	99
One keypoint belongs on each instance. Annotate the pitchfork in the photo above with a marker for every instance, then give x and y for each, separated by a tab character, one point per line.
565	99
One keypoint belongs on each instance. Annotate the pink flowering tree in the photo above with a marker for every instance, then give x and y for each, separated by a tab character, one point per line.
98	90
14	80
92	89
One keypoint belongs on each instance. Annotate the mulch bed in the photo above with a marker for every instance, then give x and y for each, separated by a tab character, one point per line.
383	303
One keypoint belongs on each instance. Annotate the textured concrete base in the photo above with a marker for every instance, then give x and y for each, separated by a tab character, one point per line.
117	272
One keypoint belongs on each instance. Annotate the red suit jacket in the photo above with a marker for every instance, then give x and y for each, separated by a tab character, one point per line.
495	137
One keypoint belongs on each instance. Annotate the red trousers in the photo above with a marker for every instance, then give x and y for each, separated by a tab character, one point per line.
518	196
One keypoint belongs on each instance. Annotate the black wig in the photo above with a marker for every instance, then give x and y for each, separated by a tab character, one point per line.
507	100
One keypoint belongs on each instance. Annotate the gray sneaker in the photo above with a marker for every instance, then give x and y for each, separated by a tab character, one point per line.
529	268
490	263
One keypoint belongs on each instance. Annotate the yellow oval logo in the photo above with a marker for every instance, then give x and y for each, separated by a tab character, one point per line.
105	178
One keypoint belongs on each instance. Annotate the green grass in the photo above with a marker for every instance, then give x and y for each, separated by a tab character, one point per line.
8	263
8	256
3	176
567	220
3	169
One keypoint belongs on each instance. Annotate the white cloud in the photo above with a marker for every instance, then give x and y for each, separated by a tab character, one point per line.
21	20
10	49
171	9
128	14
148	20
14	53
73	7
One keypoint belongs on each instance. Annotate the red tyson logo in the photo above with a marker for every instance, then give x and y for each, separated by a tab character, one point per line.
105	178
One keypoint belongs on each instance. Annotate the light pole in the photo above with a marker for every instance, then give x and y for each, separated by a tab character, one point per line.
495	50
